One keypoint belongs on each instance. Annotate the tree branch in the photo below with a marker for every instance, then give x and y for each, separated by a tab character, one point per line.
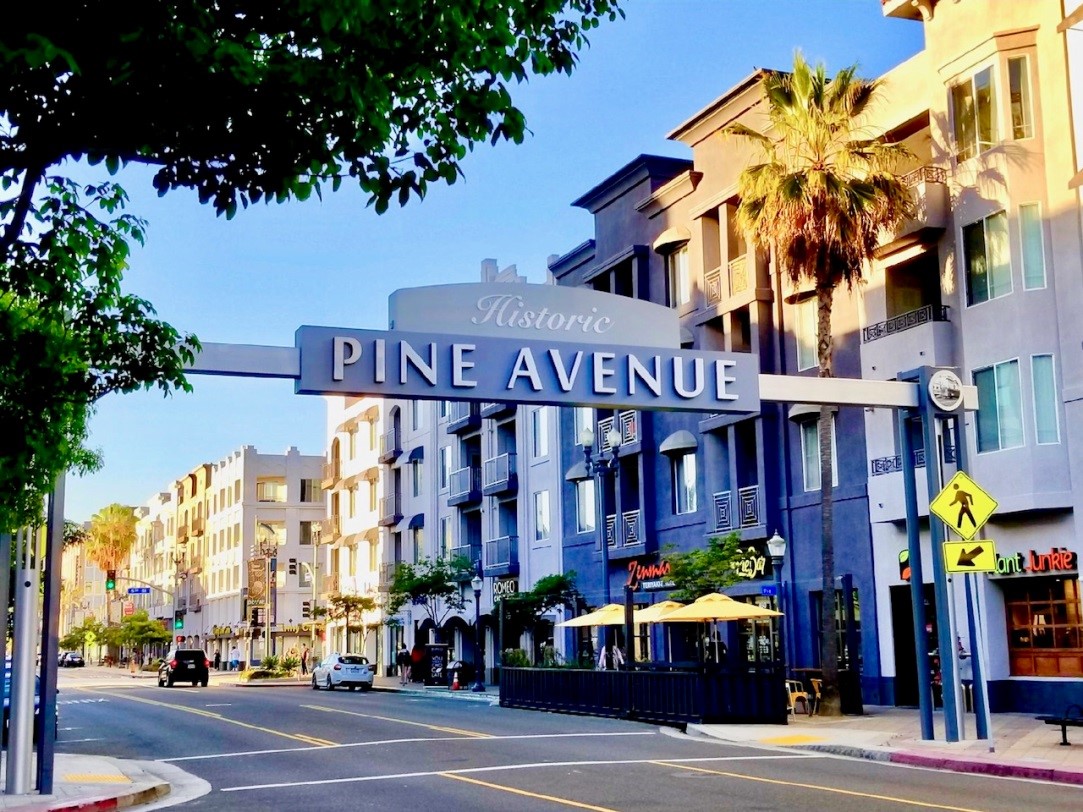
22	207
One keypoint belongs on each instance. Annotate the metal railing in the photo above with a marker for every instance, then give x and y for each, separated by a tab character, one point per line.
331	470
904	321
390	442
749	500
389	507
461	410
499	469
468	551
627	423
330	528
749	512
630	532
712	285
330	584
464	481
925	174
501	551
879	466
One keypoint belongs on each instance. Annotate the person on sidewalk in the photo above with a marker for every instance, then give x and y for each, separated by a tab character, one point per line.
234	658
402	660
305	653
217	660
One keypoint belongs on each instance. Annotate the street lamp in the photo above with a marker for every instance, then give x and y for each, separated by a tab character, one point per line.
266	547
776	546
601	466
476	582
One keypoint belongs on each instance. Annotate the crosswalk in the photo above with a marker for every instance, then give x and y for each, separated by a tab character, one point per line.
81	701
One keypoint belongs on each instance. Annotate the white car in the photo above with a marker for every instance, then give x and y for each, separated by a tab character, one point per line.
342	670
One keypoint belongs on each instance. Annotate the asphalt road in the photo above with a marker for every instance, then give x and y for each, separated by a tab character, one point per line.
293	748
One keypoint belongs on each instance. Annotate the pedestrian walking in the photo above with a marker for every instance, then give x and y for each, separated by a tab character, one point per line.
132	666
402	660
234	658
218	660
304	660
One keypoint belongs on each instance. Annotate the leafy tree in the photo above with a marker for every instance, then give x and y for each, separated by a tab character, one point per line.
74	532
820	199
432	584
112	534
704	570
524	610
138	630
350	608
78	638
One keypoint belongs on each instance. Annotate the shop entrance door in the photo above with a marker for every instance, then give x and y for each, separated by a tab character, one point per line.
902	625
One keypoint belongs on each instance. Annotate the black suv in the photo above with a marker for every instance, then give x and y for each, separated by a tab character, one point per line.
184	665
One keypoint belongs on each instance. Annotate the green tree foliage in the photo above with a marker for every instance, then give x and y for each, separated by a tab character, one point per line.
74	533
704	570
432	584
80	636
820	198
111	536
522	611
138	630
351	609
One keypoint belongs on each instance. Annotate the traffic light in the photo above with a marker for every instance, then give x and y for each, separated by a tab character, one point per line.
178	619
306	609
293	566
110	580
254	619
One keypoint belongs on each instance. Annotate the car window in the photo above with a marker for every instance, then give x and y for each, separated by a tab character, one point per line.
353	659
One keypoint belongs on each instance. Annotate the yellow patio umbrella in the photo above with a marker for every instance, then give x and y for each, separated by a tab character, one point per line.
717	606
611	614
652	613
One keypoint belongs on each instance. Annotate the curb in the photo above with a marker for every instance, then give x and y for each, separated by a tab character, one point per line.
442	693
143	796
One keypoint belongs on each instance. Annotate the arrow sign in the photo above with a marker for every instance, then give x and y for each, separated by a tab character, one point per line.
970	556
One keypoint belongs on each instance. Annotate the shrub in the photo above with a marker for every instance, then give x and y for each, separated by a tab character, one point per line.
290	664
515	658
270	663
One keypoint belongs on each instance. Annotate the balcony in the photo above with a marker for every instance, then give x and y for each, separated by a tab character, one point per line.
197	527
471	552
330	528
625	422
928	184
921	336
499	476
502	556
904	321
182	534
332	473
330	584
464	486
891	465
737	274
497	409
749	509
387	575
390	445
629	532
463	416
390	510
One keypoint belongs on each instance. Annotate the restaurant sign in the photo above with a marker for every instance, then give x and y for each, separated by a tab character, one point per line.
1058	559
648	575
505	587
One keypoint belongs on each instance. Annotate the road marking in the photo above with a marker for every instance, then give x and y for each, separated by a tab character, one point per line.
220	718
413	740
835	790
503	767
455	730
524	792
76	741
219	705
80	701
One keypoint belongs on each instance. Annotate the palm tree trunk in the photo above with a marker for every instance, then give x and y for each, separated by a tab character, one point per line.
830	704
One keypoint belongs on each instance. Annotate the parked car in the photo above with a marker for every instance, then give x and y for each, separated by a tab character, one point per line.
71	659
184	665
343	670
37	703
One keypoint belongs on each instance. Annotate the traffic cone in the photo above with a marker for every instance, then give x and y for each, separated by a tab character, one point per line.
455	682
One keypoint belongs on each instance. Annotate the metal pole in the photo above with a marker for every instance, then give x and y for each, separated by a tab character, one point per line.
776	567
50	631
20	745
629	626
479	685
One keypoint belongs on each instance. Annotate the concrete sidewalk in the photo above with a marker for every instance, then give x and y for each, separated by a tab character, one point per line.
1020	747
96	783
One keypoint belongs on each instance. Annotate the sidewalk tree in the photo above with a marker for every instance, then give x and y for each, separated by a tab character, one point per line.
241	103
433	584
820	197
111	537
523	611
138	630
86	633
707	569
351	610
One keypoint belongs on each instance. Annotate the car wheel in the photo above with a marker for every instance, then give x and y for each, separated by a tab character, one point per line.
315	687
169	682
204	681
366	686
353	688
161	682
330	685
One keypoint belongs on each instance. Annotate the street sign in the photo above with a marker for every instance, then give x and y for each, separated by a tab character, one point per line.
970	556
139	590
129	609
963	505
769	589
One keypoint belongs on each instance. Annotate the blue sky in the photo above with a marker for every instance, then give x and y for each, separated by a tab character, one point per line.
255	279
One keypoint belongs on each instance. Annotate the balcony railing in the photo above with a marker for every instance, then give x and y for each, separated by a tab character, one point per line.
330	528
387	575
737	270
712	285
502	551
197	527
462	415
626	422
749	500
925	174
182	533
390	510
630	529
390	445
464	485
331	473
892	465
496	409
472	552
904	321
499	474
748	505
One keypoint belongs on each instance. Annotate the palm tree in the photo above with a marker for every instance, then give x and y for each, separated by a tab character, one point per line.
110	540
819	199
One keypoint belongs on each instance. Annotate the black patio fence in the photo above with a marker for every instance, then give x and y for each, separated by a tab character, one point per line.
663	697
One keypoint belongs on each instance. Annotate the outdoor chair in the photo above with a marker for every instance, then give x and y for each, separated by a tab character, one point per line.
795	689
817	693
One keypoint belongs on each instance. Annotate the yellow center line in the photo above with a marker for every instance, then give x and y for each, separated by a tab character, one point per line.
216	716
514	791
457	731
836	790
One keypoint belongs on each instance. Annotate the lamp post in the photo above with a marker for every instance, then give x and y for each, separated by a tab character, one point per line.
477	582
601	466
776	546
317	531
266	547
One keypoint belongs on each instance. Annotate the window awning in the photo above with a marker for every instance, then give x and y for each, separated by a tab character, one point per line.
679	442
372	414
802	411
372	535
417	520
577	473
672	236
416	454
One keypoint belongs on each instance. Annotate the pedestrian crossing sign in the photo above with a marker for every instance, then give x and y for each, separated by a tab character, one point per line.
963	505
970	556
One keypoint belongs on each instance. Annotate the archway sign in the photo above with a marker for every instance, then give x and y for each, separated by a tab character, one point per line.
565	346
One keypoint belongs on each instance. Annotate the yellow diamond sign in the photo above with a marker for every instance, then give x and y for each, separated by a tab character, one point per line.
970	556
963	505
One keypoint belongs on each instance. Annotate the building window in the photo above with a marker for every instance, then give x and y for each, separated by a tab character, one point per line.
374	556
810	454
445	467
271	491
236	491
447	537
1046	429
311	490
417	418
586	509
1019	97
678	277
684	483
417	538
416	476
444	407
973	112
805	331
987	259
1031	235
541	515
539	432
1000	415
306	532
1045	626
304	575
